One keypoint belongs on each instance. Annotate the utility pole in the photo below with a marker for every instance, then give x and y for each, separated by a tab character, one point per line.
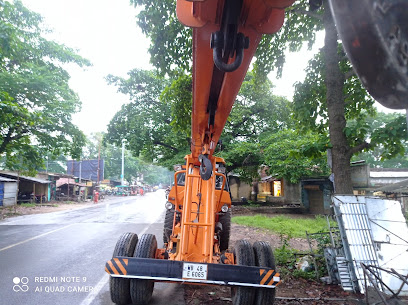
99	160
123	162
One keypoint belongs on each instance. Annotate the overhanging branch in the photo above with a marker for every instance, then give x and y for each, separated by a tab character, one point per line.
166	145
358	148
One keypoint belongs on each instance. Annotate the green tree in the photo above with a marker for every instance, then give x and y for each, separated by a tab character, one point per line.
157	122
292	157
146	122
36	101
331	99
256	113
381	155
171	42
330	94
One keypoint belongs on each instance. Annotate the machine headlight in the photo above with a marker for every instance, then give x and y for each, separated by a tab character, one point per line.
177	167
221	170
224	208
168	205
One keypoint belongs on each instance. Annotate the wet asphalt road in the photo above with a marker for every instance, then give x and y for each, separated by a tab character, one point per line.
60	256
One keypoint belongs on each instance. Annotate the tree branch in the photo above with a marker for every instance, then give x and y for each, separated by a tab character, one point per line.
358	148
166	145
308	13
6	140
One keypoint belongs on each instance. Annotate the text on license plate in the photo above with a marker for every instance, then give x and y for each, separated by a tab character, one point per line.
194	271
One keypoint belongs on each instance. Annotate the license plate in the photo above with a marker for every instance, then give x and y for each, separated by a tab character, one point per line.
194	271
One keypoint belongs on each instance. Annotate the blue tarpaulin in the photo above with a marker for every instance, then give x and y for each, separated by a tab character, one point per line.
86	169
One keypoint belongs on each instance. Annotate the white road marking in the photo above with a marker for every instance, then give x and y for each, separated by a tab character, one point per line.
35	237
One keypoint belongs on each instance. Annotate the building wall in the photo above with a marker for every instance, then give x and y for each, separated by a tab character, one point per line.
360	175
291	194
239	189
10	193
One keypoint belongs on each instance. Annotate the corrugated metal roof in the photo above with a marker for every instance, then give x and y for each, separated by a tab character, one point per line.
3	179
16	176
399	187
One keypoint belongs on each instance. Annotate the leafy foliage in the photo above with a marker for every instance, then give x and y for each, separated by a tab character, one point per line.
385	129
244	159
146	122
179	96
293	156
300	27
35	99
364	125
171	42
329	104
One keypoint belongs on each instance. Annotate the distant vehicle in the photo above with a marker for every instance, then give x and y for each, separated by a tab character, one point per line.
134	190
123	190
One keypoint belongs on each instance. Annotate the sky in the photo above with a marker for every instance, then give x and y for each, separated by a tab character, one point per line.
105	32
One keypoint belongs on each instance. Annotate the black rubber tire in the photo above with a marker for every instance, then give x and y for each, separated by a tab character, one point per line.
244	255
168	225
225	220
264	258
141	290
120	287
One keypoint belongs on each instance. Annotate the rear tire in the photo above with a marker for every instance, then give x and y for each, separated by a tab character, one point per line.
168	225
264	258
120	287
244	255
141	290
225	220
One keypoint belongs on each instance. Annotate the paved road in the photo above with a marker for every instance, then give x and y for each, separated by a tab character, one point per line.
62	254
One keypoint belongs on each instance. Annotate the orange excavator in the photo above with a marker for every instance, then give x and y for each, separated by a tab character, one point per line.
226	34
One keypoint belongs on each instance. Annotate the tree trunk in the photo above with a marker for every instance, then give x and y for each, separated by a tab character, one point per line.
335	106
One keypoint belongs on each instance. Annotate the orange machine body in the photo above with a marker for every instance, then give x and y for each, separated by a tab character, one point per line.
226	34
199	201
257	17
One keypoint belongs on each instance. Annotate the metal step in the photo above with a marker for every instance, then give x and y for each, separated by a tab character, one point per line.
344	273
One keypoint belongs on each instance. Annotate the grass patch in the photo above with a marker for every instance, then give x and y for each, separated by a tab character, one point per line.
284	225
27	205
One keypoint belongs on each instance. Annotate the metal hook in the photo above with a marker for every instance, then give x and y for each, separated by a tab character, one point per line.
217	44
205	167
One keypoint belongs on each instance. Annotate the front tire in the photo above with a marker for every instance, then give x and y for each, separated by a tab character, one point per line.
244	255
168	225
225	220
141	290
264	258
120	287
